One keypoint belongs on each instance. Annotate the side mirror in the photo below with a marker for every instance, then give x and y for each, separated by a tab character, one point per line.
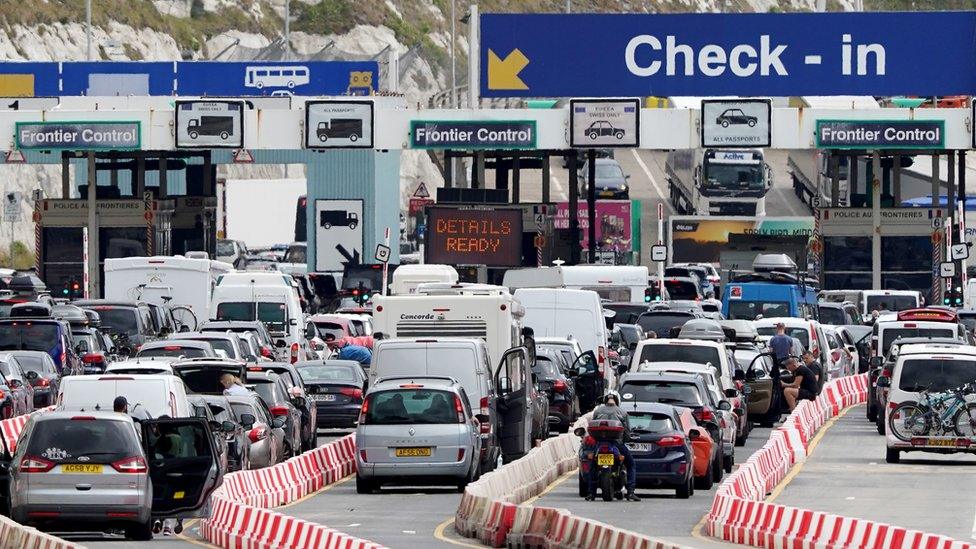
247	420
724	405
731	393
622	368
876	362
277	423
739	375
580	431
884	382
228	426
504	385
281	344
31	375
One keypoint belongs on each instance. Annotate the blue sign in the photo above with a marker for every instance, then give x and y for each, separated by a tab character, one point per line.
771	55
188	78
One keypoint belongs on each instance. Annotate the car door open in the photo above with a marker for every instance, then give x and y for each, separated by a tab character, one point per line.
511	381
183	465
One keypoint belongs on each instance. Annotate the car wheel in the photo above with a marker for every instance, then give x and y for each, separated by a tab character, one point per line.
880	424
140	532
288	453
365	486
729	463
752	123
705	482
327	225
892	455
619	135
872	411
583	488
353	225
725	123
353	138
194	135
685	490
718	468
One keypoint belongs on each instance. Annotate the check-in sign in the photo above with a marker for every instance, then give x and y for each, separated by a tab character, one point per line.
109	135
880	134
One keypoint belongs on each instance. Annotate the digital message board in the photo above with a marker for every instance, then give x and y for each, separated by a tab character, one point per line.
471	236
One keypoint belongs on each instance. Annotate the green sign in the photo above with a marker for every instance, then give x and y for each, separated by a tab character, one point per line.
881	134
75	135
472	134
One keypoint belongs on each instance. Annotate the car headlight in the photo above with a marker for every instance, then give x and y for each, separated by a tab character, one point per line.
623	187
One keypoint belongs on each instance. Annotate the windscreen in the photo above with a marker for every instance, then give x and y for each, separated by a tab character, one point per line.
833	316
235	311
174	351
661	323
406	406
296	254
35	363
545	367
641	422
608	171
665	392
224	345
891	303
69	440
330	328
273	314
751	310
799	333
682	289
119	320
28	336
680	353
889	335
327	373
936	375
225	248
733	176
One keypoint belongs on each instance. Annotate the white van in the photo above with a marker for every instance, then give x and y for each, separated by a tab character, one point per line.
890	300
157	395
534	277
613	282
277	307
165	280
406	278
561	312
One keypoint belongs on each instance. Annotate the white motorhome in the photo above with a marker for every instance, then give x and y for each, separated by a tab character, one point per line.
534	277
406	278
458	310
613	282
277	306
165	280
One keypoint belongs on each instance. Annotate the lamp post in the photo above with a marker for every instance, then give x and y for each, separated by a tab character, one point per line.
88	28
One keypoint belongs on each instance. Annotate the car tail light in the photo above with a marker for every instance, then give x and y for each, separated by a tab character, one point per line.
279	410
294	353
704	414
671	441
683	468
483	403
266	352
257	433
63	358
44	514
459	408
886	373
83	418
44	382
93	359
363	411
120	514
559	386
835	355
353	392
35	464
135	464
485	427
892	405
362	455
460	456
601	357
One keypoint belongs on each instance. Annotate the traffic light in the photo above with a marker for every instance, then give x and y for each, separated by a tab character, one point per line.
72	290
360	294
954	295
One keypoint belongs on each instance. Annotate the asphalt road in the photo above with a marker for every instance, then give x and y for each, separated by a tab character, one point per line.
847	475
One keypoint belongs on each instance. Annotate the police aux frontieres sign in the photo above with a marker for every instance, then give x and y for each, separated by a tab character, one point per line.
115	135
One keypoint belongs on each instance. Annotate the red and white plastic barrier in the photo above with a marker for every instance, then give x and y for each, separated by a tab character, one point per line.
17	536
240	517
740	515
490	508
10	429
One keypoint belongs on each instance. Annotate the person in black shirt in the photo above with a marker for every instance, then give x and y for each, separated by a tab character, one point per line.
804	385
814	365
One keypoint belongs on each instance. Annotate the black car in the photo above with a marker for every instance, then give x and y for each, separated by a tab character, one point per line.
735	117
42	374
661	321
272	389
336	387
236	437
299	395
129	320
549	370
625	312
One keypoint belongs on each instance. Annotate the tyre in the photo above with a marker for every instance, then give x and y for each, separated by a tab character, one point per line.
685	490
366	486
964	422
140	532
327	225
880	424
194	135
740	439
606	485
353	225
353	138
729	463
291	84
725	123
752	123
583	488
593	135
892	455
619	135
718	467
705	482
872	411
908	420
288	453
224	135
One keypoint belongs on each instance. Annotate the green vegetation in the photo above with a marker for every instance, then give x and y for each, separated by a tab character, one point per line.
326	17
23	258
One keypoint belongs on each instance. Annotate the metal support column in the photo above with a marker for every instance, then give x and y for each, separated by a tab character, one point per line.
65	175
448	169
546	177
896	181
208	189
951	192
516	179
93	274
574	234
876	222
962	213
139	176
163	189
935	180
478	171
591	202
834	181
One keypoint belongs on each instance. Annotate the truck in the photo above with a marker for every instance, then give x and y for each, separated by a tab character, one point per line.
718	181
211	125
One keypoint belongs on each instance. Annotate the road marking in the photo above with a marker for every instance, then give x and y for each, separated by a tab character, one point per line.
551	487
186	527
810	448
647	172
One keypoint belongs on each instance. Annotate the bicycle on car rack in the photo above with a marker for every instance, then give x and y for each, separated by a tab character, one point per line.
943	413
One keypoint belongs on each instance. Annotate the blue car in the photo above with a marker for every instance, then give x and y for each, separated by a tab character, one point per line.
660	448
37	334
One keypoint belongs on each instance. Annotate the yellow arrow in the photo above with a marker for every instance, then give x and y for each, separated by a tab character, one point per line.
503	73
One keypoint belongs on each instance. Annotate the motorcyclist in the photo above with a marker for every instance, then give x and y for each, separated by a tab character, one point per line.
610	409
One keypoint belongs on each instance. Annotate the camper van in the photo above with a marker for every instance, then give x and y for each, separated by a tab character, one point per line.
166	281
277	306
407	278
612	282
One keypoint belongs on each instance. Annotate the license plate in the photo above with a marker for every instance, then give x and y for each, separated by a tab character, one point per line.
941	442
325	398
639	447
605	460
83	468
413	452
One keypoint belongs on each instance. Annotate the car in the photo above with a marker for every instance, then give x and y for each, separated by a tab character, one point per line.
558	388
765	395
149	395
230	427
662	451
176	349
857	339
13	383
695	272
585	386
921	370
688	391
132	474
42	374
810	334
265	433
609	181
265	343
838	314
47	335
163	321
916	323
228	342
272	389
660	321
300	398
233	252
92	349
735	117
201	409
128	320
625	312
843	357
416	430
603	128
141	366
336	387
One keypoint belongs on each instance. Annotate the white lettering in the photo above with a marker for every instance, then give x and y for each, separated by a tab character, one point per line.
770	59
630	55
735	59
673	50
711	60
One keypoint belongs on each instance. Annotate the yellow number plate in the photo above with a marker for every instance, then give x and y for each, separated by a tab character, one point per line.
604	459
412	452
81	468
942	442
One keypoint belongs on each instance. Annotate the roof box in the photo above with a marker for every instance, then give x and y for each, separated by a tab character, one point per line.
766	263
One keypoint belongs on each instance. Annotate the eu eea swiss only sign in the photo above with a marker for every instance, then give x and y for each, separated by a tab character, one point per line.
760	55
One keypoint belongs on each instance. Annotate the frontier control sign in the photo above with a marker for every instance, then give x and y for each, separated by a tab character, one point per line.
880	134
78	135
472	134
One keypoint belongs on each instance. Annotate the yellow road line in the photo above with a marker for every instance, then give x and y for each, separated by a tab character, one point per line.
323	489
186	526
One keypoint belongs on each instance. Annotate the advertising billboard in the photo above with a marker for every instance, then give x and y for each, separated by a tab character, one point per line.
613	226
704	239
473	236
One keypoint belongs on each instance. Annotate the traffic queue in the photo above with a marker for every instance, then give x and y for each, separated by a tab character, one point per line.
191	370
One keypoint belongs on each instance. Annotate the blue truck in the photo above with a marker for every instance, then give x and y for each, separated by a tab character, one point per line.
774	288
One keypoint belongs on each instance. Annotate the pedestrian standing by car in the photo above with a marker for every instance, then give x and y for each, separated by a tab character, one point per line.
120	405
804	384
610	409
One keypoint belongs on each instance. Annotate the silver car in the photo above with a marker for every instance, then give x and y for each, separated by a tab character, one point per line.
416	431
265	435
77	470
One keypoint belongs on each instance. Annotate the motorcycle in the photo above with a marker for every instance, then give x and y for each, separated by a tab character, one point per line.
599	454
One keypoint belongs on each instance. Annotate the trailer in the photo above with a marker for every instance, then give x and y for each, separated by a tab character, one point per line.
718	181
